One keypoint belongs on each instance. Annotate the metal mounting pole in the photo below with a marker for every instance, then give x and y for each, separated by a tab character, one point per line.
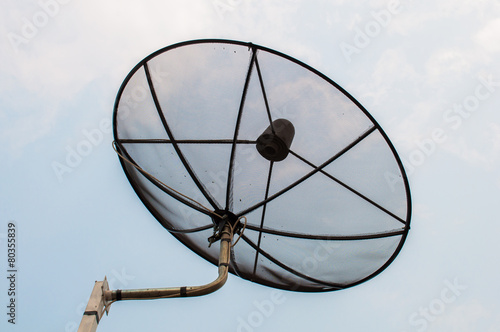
101	297
95	307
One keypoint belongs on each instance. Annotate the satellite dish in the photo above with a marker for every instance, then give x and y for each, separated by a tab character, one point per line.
247	131
219	137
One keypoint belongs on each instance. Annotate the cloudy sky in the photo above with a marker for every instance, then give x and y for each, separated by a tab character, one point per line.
426	70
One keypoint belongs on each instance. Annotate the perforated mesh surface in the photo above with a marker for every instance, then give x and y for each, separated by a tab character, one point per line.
333	214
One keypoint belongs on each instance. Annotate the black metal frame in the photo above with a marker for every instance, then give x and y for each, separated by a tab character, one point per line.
132	173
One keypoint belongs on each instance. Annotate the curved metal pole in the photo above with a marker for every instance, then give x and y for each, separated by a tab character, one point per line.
158	293
101	297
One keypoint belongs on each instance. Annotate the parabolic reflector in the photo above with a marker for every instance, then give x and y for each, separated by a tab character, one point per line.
244	130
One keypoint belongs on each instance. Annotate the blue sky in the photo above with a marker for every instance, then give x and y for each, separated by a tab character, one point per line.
426	70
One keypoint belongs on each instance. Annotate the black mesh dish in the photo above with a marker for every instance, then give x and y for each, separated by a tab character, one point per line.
333	213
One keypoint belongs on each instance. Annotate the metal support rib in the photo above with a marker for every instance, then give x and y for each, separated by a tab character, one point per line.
308	175
229	189
184	161
158	293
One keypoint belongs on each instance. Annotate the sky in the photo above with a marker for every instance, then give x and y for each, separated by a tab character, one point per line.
427	71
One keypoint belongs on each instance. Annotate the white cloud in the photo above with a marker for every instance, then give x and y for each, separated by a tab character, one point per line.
392	69
450	8
447	65
411	19
481	149
417	124
81	45
466	152
27	129
420	15
461	318
89	40
487	37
